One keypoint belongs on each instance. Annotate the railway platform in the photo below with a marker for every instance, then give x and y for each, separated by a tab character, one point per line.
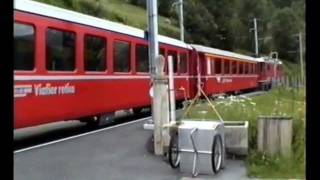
119	152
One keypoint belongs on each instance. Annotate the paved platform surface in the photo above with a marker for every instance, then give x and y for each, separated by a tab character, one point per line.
118	153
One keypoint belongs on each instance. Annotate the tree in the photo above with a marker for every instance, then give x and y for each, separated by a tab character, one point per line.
284	26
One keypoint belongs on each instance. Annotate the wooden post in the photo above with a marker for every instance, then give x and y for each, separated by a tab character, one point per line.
275	135
161	107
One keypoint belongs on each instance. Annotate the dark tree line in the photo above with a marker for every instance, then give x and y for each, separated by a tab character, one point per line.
225	24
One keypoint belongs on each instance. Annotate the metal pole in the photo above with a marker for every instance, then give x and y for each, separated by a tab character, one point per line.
153	35
256	36
154	70
301	56
171	90
275	61
181	20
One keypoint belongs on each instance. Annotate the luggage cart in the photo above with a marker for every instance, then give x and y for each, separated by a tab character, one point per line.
198	147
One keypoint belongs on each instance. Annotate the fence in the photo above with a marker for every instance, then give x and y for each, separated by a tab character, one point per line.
290	82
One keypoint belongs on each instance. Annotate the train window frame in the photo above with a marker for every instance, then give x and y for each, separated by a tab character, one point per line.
208	64
113	56
76	64
35	33
186	62
212	66
105	54
136	59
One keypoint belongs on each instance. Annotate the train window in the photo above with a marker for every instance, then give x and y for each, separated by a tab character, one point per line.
175	60
268	67
238	67
142	60
265	67
60	49
233	67
162	52
121	56
24	43
246	70
226	67
254	69
218	68
241	66
183	63
94	53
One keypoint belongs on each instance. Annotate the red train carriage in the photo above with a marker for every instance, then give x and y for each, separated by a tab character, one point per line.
69	65
269	70
224	71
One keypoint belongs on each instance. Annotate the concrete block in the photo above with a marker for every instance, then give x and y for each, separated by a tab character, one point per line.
236	137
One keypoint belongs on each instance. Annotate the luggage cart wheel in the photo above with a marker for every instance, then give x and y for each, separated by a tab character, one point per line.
174	156
216	156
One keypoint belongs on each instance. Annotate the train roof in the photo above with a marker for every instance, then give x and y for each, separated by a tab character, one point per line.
76	17
220	52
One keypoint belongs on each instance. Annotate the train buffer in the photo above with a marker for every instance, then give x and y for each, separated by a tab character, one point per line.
121	152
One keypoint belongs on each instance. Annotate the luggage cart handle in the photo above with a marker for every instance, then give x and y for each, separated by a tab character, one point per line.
195	156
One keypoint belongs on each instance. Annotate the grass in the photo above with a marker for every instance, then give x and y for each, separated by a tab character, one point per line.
119	11
291	69
279	101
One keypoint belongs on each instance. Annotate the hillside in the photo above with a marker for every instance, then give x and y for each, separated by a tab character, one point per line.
119	11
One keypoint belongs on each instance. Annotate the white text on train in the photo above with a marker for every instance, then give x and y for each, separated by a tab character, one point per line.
48	89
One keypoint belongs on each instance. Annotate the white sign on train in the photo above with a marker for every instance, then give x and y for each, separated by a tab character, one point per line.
225	80
22	90
42	89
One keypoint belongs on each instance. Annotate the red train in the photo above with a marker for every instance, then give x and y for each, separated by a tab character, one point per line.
68	65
